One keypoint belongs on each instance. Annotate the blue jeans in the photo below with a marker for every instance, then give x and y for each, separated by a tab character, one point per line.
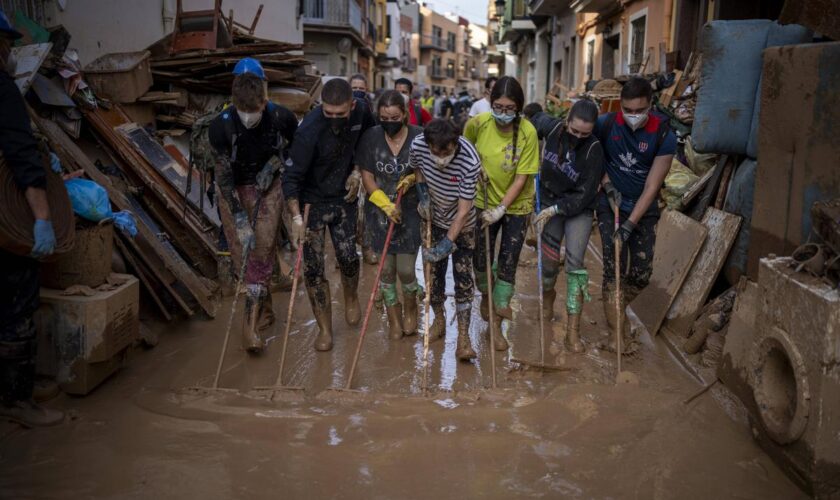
575	230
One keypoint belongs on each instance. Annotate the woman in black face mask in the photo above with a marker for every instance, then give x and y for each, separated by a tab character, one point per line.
382	157
571	171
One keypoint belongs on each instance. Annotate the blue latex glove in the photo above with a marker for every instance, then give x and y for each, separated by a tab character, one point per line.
424	207
439	252
244	231
44	239
55	163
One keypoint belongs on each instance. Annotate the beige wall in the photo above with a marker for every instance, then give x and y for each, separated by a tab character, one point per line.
654	11
99	27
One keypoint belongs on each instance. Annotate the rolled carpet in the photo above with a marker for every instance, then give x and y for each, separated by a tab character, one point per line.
16	219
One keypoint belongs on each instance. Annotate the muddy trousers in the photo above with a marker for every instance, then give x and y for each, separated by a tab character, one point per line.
512	229
261	258
636	259
461	267
575	230
18	301
340	219
401	265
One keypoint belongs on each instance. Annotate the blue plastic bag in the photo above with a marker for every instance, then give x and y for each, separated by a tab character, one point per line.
90	201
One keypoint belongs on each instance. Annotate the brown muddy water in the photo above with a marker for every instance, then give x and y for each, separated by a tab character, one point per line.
571	434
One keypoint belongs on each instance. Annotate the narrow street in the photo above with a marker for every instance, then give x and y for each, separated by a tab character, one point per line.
145	434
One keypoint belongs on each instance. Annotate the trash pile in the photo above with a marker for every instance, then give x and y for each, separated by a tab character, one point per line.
123	122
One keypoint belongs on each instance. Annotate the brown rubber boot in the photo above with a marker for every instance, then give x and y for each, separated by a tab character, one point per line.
437	330
319	298
573	343
548	304
251	340
350	286
484	308
395	328
499	340
30	414
409	313
266	317
465	352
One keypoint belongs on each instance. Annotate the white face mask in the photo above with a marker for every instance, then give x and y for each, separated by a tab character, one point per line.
441	162
406	98
636	121
250	120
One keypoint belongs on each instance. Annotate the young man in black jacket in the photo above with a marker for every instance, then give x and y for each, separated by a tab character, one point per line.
322	175
249	140
19	275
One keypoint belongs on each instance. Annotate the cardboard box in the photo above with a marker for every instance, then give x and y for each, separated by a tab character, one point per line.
87	330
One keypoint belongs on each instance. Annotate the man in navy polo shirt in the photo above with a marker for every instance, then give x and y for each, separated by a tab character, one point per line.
638	148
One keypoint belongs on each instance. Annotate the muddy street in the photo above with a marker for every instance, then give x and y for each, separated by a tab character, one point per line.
570	434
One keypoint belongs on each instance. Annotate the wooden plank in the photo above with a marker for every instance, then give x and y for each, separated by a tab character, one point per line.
678	240
710	190
70	154
724	185
144	280
723	229
668	94
698	186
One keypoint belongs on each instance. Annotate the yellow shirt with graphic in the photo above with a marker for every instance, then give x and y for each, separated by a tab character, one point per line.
501	165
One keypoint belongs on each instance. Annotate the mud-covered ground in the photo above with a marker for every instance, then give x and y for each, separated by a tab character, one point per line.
144	434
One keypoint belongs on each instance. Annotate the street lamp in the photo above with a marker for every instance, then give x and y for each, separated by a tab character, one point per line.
500	8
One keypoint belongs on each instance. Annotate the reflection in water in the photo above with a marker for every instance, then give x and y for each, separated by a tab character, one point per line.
334	439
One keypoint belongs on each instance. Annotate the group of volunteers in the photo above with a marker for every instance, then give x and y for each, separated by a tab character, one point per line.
428	176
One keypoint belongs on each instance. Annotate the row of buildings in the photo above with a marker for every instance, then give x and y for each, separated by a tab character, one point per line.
382	39
386	40
572	42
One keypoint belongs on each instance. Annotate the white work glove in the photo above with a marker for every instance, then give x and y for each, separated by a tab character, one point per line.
298	231
544	216
353	185
490	217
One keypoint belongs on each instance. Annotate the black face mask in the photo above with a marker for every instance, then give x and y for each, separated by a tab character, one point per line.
392	128
572	140
360	94
339	124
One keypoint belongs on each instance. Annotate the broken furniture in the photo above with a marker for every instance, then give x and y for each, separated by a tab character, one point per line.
199	29
782	359
88	335
122	77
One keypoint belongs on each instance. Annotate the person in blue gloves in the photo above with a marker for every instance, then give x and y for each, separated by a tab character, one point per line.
19	275
447	167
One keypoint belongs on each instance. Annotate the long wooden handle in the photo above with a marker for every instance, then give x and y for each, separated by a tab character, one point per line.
618	324
372	297
295	277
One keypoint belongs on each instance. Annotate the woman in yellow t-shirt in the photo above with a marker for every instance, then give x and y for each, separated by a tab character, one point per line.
508	147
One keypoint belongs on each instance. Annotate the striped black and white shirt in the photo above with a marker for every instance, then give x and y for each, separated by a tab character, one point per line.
455	182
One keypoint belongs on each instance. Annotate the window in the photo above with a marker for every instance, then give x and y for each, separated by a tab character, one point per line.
450	68
450	42
636	46
437	36
436	66
590	57
388	26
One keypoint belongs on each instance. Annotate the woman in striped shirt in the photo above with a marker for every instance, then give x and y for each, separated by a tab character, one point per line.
447	168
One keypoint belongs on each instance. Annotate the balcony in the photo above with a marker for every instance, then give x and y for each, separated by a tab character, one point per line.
437	74
549	7
336	16
593	6
432	43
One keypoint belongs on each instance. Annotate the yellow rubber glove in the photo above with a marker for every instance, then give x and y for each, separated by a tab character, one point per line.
406	183
381	200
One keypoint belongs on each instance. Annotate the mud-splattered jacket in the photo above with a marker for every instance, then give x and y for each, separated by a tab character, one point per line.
321	160
241	152
569	177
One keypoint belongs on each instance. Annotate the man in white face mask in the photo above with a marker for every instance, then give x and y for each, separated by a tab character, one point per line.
417	114
250	139
638	147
